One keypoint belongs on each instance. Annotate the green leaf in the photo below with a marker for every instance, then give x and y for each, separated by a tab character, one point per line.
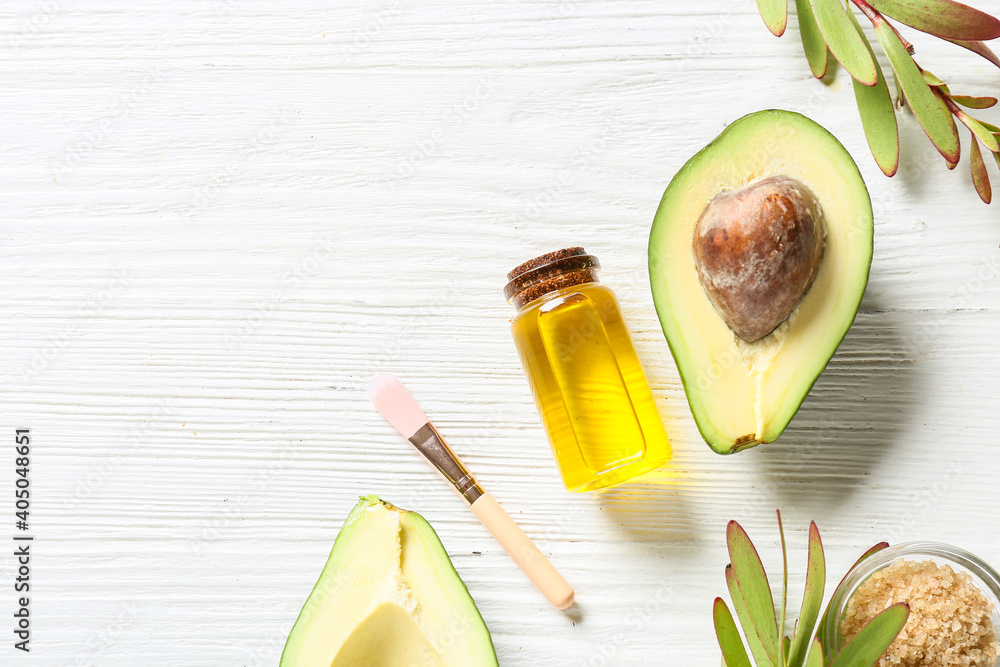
980	177
751	580
942	18
846	45
871	643
930	79
979	48
785	644
974	102
775	15
821	631
928	107
878	117
760	654
812	39
734	654
812	598
980	130
815	655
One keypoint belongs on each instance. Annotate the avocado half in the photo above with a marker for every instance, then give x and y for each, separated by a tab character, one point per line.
388	596
745	393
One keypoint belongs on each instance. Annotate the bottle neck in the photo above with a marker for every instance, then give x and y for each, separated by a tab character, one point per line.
548	273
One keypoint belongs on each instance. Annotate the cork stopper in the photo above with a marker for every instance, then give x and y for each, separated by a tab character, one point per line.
548	273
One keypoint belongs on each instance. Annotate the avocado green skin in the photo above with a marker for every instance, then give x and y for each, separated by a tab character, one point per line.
352	524
702	162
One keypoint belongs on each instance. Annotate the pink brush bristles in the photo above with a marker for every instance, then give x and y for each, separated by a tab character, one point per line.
396	404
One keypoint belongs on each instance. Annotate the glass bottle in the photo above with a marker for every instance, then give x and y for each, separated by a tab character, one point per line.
589	387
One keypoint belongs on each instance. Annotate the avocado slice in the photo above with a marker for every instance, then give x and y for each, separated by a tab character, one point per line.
388	596
743	390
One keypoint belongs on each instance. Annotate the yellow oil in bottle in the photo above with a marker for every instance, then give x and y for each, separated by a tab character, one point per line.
588	384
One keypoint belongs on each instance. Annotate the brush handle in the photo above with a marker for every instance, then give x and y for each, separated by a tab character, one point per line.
524	552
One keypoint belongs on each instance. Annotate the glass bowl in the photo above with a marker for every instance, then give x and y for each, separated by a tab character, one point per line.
983	576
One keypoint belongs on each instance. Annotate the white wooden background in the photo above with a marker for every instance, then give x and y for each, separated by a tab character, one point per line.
221	217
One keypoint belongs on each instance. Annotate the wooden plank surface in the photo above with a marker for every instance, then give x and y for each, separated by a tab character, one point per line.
222	217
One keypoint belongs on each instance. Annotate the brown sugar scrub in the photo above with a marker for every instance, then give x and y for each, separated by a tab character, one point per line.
950	622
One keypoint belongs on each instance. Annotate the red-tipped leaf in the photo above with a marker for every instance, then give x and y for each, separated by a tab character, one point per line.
931	80
815	655
978	48
812	39
812	598
821	631
760	655
942	18
974	102
775	15
871	642
751	580
846	45
878	118
929	108
733	652
785	642
980	130
980	178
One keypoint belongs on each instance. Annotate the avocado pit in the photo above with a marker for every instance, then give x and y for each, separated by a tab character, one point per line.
757	251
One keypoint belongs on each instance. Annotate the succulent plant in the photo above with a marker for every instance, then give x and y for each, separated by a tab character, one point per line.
755	609
828	28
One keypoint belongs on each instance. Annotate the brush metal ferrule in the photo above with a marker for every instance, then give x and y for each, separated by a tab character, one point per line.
429	442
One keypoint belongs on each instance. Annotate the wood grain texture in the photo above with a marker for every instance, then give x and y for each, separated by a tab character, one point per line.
220	218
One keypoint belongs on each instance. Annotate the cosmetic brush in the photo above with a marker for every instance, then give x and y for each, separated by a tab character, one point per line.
396	404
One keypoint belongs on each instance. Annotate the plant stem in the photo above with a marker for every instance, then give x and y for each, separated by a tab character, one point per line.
952	107
866	9
875	17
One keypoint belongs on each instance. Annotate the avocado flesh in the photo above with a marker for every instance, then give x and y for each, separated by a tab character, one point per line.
388	596
742	394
